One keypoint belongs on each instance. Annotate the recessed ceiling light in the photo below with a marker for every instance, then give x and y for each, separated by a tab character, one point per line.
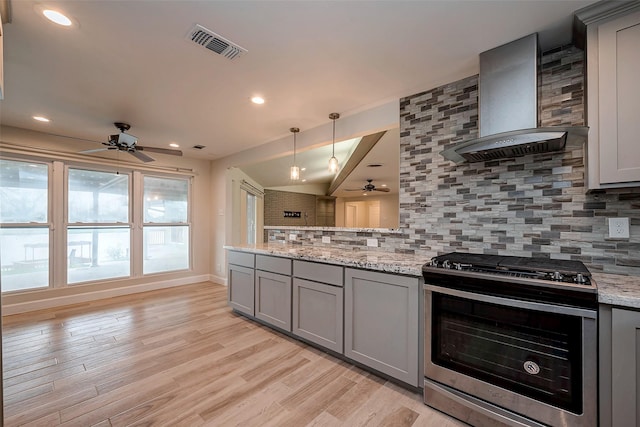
41	119
304	180
257	100
57	17
174	145
383	185
303	169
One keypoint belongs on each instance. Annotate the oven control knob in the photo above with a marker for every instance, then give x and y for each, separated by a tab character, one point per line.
556	276
580	278
446	264
531	367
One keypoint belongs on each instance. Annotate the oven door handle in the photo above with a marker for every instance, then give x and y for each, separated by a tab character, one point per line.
529	305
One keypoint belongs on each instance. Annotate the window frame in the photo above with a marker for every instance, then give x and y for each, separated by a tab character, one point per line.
49	224
96	225
143	224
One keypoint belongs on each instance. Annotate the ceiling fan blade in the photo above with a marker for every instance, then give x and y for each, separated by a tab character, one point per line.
384	190
160	150
95	150
354	189
141	156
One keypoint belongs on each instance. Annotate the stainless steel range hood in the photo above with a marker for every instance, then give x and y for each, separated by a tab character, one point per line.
508	108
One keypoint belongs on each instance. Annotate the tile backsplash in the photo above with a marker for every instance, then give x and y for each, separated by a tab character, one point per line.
534	205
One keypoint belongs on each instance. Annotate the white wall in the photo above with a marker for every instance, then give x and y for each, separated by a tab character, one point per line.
56	148
389	209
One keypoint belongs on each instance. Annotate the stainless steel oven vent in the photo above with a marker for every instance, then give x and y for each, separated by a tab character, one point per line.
538	142
215	43
508	108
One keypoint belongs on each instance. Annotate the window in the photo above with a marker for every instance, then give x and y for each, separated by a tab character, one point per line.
64	225
165	225
99	229
24	222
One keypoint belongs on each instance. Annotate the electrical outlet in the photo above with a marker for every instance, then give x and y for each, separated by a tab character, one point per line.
372	242
619	228
292	236
326	239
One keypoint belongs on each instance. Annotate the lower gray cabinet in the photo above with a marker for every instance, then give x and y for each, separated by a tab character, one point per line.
273	299
240	291
619	358
240	294
382	325
317	313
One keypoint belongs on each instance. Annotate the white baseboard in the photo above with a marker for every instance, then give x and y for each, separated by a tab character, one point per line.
218	279
42	304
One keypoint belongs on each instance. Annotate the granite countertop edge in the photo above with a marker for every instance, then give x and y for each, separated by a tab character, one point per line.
613	289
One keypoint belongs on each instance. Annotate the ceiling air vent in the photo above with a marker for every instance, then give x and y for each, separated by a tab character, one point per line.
215	43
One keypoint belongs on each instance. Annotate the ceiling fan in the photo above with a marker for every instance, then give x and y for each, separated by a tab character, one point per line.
369	187
127	142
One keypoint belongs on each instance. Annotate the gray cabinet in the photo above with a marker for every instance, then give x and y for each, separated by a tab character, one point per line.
619	366
273	291
613	95
317	306
382	323
240	292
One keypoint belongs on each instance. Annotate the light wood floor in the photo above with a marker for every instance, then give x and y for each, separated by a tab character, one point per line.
180	357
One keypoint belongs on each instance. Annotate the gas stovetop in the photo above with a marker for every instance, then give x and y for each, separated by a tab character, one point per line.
555	270
531	278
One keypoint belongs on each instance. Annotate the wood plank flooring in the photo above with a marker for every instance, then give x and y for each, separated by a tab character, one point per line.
181	357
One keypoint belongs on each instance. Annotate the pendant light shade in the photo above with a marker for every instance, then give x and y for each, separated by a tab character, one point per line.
295	170
333	162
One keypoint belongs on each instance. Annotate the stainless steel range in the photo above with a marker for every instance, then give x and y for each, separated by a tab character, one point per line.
511	340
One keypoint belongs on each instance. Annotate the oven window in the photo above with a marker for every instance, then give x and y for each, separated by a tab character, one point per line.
533	353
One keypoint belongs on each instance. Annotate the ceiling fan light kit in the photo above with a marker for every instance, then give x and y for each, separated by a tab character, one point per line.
369	187
124	141
333	162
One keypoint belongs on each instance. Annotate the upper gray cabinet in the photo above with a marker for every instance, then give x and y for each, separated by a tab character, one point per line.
613	94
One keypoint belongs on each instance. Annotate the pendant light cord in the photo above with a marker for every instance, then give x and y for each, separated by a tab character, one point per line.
333	150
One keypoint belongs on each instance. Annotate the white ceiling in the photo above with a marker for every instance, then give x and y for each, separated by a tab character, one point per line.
130	61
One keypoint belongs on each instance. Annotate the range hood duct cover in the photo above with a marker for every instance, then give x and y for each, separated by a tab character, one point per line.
508	104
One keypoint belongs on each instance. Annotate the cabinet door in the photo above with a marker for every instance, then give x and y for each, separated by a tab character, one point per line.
619	99
382	322
625	373
317	313
273	299
241	288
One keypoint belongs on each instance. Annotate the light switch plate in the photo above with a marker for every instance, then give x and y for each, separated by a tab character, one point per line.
619	228
326	239
372	242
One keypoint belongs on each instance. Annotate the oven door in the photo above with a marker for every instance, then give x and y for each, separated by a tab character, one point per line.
535	359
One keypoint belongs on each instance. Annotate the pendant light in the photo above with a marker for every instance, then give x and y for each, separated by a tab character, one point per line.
295	170
333	162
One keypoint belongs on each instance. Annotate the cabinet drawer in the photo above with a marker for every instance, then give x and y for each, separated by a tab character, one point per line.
331	274
273	264
241	258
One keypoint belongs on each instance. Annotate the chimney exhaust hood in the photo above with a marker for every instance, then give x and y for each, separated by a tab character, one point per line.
508	108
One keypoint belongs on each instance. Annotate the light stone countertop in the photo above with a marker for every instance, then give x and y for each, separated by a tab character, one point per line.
389	262
618	290
613	289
